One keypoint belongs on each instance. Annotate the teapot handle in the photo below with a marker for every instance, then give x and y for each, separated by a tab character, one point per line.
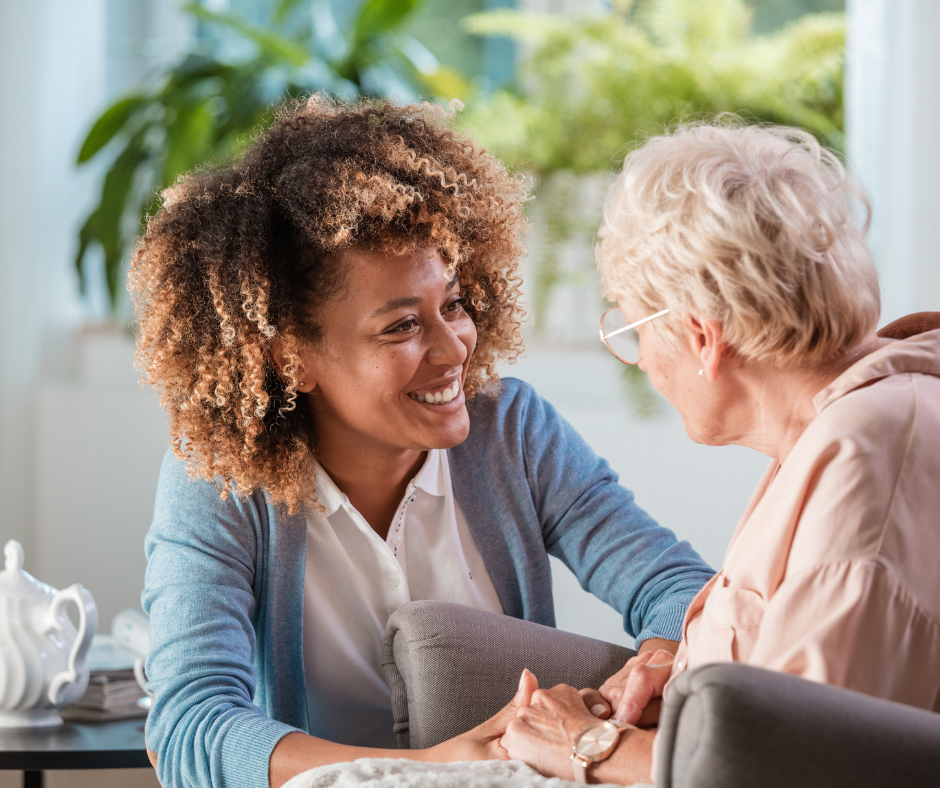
87	626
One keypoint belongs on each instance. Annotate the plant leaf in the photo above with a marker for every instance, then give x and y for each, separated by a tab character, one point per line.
103	226
271	45
446	83
188	139
379	17
109	123
510	23
283	9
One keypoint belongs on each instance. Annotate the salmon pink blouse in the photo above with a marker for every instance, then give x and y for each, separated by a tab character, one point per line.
833	573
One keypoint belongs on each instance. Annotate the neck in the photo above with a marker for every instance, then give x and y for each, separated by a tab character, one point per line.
777	404
373	476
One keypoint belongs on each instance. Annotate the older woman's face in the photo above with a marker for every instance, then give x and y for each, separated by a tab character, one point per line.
673	371
397	344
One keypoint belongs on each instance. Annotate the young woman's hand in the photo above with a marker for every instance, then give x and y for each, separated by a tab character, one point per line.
482	742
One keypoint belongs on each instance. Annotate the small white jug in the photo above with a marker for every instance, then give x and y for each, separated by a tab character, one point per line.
42	657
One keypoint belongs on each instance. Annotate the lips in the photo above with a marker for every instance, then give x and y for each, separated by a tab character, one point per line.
438	396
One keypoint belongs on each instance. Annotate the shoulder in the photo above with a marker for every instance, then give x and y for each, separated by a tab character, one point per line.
872	415
500	396
179	491
196	511
865	433
509	405
512	427
850	465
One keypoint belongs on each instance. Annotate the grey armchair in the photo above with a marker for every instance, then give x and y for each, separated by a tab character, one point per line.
449	668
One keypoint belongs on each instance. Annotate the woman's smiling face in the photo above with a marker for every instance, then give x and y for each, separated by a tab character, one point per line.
396	346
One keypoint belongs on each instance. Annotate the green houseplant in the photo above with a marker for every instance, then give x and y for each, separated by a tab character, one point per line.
205	106
591	87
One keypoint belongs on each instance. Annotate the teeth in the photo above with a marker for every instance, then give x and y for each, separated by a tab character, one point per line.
439	397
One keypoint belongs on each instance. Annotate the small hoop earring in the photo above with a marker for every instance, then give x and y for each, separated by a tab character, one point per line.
701	372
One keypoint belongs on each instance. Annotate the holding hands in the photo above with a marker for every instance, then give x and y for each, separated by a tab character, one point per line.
634	693
546	723
543	730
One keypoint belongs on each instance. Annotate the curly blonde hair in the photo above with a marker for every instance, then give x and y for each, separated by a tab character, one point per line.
244	251
750	226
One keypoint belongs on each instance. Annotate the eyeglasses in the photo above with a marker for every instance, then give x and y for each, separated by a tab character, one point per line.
621	339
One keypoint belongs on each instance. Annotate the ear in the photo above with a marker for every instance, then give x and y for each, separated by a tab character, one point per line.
305	372
705	339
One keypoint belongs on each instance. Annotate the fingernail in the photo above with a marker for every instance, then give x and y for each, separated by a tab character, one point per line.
522	678
597	709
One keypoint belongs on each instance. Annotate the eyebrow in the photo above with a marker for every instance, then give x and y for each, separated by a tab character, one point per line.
398	303
395	303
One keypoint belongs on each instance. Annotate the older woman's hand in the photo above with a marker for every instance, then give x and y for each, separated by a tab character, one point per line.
635	691
543	731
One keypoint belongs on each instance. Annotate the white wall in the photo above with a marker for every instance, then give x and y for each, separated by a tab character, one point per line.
76	473
50	84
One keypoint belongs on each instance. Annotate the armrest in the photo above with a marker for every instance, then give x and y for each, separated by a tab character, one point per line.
739	726
450	667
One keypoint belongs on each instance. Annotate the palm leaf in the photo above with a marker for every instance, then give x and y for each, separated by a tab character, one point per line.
111	121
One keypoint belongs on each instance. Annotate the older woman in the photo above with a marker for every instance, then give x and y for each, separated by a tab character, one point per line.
323	318
740	273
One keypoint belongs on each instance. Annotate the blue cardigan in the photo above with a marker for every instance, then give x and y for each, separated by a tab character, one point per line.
224	583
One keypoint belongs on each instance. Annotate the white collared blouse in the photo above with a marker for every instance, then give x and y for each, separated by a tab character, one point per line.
355	580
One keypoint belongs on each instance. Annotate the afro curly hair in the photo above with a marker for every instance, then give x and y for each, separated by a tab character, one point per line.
248	249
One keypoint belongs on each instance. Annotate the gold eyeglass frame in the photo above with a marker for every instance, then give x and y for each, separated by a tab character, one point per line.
621	330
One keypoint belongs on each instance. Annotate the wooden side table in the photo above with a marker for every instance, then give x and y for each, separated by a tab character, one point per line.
74	745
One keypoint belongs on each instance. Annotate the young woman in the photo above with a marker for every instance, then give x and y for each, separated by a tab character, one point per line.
323	318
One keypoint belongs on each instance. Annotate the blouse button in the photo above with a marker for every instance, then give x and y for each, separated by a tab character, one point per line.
393	580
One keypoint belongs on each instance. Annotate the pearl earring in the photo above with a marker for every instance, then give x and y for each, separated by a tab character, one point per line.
701	372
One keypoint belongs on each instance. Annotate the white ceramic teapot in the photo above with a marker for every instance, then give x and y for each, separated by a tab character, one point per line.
42	657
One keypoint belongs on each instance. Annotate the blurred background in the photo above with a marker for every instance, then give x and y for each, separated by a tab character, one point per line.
103	101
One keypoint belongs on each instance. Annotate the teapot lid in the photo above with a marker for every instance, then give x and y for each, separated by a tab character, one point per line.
13	580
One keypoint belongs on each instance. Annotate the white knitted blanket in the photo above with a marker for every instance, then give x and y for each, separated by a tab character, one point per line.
401	773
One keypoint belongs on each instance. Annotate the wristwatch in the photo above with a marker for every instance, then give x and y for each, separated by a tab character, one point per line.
594	743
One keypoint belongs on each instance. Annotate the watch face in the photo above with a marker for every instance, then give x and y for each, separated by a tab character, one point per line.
596	739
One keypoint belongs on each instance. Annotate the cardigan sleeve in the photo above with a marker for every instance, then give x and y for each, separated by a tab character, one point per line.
200	594
593	524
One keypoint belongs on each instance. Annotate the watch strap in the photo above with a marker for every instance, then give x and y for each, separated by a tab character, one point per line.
579	765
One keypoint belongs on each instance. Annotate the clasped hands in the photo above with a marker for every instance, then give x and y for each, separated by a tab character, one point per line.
539	725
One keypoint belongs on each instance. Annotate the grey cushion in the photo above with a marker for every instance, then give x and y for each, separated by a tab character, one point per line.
450	667
734	725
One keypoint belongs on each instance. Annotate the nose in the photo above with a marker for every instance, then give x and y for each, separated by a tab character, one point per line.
446	346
